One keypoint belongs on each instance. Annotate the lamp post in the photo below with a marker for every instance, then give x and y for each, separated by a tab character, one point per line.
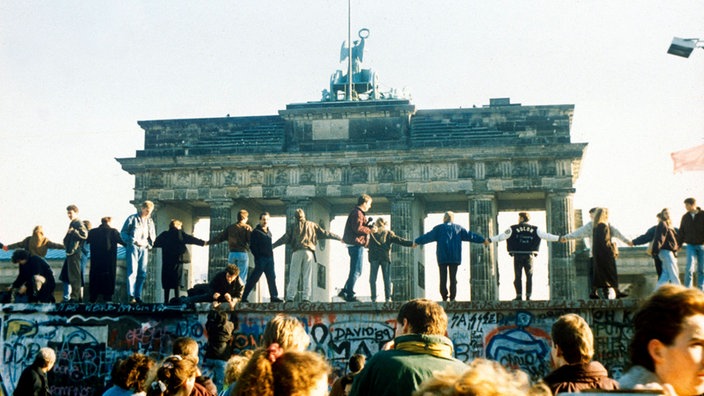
684	46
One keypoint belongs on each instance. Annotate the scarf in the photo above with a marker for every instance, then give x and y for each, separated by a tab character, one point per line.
438	346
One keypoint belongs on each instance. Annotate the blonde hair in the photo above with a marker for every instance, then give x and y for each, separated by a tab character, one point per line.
665	217
573	335
380	222
234	368
291	373
482	378
37	240
286	331
601	216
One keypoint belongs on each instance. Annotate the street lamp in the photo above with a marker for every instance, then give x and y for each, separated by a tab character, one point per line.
684	46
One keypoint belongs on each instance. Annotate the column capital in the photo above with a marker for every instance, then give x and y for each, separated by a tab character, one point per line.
561	192
220	202
481	196
400	197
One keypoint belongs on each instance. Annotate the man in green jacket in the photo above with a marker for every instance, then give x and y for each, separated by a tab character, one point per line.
419	349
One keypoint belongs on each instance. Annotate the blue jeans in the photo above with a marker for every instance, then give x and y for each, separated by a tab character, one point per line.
356	259
265	266
692	252
669	274
136	260
218	368
241	260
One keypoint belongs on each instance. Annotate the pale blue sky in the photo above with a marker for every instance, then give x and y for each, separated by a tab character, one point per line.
76	76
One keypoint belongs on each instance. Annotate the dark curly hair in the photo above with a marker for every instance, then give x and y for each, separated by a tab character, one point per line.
132	373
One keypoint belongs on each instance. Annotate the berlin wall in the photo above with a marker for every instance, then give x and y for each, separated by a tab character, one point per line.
88	339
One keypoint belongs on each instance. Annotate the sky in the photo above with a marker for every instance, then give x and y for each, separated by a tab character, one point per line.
76	76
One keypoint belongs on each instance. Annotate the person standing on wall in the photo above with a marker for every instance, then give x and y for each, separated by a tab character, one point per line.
261	246
448	237
648	238
586	231
605	253
380	256
356	236
103	242
74	239
174	254
302	236
139	235
237	236
691	233
665	246
37	244
523	243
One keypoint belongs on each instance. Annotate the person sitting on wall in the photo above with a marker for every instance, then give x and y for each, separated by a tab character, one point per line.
225	287
35	281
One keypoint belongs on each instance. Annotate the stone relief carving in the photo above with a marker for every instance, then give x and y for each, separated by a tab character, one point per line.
306	176
358	175
386	173
281	177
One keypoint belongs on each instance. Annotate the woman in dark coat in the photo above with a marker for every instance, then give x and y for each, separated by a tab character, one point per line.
174	254
103	259
604	251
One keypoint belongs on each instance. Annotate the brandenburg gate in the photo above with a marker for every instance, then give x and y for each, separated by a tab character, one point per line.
320	156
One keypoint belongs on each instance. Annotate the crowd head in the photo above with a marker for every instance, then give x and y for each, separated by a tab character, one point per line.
573	339
669	329
482	377
133	372
175	377
422	316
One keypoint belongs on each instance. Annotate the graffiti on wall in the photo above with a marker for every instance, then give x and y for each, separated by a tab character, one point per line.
89	340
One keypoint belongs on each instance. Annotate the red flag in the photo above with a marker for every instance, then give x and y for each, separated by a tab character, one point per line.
691	159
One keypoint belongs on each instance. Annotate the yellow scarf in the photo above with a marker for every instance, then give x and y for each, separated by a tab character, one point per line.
434	345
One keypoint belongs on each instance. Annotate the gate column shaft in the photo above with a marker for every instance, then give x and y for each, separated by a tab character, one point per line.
220	218
482	261
560	221
405	222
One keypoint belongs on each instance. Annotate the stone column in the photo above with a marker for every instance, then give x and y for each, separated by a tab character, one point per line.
291	206
220	218
403	263
483	265
560	221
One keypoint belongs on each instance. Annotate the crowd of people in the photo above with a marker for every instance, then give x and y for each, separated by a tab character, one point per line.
138	236
666	356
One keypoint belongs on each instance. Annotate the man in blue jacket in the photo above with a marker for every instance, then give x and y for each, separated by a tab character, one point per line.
449	237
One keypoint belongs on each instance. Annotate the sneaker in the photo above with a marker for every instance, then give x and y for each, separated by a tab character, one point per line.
593	295
517	298
133	301
352	299
138	300
620	294
342	294
276	300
